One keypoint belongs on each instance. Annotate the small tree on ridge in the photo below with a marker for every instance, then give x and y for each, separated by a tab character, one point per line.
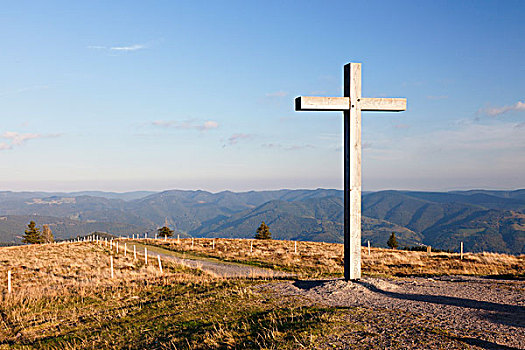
165	231
32	234
47	234
392	241
263	232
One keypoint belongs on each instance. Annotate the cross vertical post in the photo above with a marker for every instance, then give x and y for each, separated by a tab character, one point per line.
352	170
351	104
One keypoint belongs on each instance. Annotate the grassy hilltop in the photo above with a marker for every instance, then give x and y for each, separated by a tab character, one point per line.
64	297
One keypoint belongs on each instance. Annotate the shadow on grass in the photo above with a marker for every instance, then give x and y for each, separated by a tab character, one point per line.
484	344
511	315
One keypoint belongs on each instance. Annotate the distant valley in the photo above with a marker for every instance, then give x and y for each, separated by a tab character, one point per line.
483	220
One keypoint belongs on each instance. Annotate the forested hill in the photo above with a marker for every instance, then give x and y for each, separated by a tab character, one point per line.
483	220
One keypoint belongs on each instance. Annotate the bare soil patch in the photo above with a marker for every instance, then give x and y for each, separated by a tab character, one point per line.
473	311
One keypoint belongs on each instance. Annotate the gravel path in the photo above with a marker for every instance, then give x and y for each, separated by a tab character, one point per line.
213	266
493	311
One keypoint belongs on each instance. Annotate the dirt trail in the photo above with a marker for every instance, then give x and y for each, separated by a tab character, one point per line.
213	266
492	310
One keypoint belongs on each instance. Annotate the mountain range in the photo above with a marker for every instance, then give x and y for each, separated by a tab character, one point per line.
484	220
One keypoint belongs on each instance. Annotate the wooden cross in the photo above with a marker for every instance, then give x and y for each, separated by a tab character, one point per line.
351	104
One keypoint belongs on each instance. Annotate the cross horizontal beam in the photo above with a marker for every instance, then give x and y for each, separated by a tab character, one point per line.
314	103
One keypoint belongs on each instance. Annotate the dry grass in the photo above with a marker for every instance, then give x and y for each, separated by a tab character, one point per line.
64	298
407	263
315	259
71	274
50	269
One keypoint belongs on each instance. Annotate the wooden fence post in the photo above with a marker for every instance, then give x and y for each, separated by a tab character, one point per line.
160	265
191	242
135	252
461	248
251	246
125	248
9	281
178	239
145	256
368	247
295	247
111	260
213	243
429	249
117	246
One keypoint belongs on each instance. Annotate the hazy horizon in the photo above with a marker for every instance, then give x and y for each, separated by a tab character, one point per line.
256	190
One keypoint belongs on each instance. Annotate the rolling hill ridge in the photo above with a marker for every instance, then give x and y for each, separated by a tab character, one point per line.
483	220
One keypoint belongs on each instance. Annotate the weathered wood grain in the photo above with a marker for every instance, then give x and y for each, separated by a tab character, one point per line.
383	104
315	103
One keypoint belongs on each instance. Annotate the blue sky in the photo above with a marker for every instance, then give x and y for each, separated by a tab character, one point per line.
159	95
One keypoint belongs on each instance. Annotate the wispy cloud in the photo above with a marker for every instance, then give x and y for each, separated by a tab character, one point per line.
277	94
123	48
235	138
187	124
16	139
19	138
293	147
134	47
496	111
